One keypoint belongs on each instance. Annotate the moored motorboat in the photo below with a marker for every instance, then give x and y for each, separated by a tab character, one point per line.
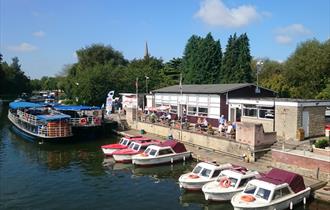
228	184
108	149
278	189
135	147
37	122
203	173
167	152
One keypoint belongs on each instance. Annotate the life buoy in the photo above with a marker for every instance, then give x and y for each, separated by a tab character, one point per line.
225	182
83	121
95	113
96	120
248	198
193	176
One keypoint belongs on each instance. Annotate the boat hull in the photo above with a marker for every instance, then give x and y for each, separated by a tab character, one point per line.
147	161
109	151
193	184
280	204
123	158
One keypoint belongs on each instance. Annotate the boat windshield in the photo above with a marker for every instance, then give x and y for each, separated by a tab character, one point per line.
233	181
197	169
121	141
263	193
131	145
206	172
125	142
147	151
153	152
250	189
136	147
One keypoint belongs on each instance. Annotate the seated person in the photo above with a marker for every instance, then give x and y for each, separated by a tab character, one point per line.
204	124
210	129
230	130
198	123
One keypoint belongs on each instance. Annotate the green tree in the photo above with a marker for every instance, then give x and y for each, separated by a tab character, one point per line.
201	62
307	69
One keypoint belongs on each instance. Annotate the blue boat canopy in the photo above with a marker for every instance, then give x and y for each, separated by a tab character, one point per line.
47	118
24	104
75	108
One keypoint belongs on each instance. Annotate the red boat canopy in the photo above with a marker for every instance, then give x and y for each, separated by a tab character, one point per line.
178	147
279	176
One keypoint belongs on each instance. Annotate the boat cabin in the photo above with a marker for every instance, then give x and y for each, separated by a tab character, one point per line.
166	148
209	170
274	185
238	178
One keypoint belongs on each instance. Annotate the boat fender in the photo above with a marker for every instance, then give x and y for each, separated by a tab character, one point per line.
248	198
225	182
83	121
193	176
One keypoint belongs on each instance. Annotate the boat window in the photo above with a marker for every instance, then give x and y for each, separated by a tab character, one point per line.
205	172
125	142
136	147
250	189
165	152
197	169
281	192
263	193
216	173
147	151
243	182
233	181
131	145
153	152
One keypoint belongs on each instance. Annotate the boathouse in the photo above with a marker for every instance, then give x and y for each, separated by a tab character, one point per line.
291	119
209	100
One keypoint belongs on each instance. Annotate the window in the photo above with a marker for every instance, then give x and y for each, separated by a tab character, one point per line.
192	110
165	152
266	113
250	189
147	151
174	109
216	173
136	147
131	145
281	193
243	182
197	169
153	152
233	181
263	193
202	111
206	172
250	111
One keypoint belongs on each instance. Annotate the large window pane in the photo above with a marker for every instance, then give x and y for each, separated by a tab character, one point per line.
192	110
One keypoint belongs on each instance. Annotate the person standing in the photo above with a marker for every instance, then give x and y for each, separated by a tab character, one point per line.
222	121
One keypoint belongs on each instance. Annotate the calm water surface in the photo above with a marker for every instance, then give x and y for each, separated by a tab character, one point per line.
77	176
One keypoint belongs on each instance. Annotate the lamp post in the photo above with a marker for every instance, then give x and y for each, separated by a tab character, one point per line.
77	98
260	63
146	93
147	84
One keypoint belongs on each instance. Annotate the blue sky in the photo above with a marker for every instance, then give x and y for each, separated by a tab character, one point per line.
44	34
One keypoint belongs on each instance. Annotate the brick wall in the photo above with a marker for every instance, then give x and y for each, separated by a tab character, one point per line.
316	120
306	166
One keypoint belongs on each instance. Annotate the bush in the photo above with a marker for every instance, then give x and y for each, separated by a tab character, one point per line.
322	143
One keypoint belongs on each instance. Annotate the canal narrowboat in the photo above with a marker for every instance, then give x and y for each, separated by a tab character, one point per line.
135	147
278	189
108	149
167	152
203	173
37	122
228	184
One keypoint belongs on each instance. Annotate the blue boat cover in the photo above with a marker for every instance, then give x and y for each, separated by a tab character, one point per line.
47	118
75	108
24	104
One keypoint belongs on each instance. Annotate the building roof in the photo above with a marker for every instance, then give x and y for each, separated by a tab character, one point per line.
210	88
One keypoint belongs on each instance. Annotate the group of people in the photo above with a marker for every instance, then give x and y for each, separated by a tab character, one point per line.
225	126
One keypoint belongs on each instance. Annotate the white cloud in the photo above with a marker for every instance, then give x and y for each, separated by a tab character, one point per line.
216	13
283	39
23	47
287	34
39	33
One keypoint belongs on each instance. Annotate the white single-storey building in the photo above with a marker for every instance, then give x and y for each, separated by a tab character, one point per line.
210	101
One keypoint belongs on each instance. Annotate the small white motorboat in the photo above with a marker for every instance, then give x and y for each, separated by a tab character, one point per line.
108	149
228	184
135	147
278	189
203	173
167	152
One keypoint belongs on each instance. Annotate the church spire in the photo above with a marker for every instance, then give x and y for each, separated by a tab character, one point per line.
146	51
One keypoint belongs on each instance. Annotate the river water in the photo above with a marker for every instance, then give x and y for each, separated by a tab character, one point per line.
77	176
